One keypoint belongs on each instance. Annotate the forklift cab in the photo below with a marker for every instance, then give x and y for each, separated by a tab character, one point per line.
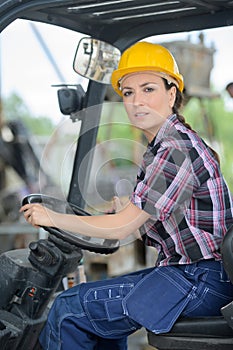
111	27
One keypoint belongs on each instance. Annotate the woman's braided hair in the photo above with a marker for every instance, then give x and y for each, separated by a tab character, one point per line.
177	105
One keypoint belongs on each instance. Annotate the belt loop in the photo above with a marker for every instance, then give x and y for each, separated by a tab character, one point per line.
223	275
191	268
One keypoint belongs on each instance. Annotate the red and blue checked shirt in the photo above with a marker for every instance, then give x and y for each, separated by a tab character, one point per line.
180	184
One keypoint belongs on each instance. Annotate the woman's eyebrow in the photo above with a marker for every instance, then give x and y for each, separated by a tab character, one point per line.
147	83
142	85
126	87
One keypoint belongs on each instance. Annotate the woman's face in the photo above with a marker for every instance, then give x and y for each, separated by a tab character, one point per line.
146	101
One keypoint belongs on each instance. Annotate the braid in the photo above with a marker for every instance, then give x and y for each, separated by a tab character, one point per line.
182	120
177	105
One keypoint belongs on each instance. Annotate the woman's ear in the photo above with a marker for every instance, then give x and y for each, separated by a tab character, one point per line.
172	96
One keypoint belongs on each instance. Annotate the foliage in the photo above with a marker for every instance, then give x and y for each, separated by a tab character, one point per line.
15	108
214	123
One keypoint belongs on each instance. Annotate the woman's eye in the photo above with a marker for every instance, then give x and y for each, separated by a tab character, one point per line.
149	89
127	93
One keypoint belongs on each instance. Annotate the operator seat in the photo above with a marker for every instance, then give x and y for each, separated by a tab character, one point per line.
203	333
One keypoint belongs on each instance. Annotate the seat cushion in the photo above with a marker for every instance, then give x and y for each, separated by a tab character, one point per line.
195	333
203	326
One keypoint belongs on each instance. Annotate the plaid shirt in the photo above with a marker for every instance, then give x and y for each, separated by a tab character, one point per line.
181	186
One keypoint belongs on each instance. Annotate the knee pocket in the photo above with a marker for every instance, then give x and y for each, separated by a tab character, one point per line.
104	309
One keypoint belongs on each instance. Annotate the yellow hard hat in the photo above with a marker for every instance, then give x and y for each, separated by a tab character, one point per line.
144	56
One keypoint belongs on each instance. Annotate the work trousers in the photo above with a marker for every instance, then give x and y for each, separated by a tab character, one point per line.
101	315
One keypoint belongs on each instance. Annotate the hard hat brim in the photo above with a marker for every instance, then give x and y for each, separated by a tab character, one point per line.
118	74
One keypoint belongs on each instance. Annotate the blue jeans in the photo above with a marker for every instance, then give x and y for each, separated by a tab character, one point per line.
100	315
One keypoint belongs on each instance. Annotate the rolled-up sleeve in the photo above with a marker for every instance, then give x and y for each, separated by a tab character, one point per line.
166	184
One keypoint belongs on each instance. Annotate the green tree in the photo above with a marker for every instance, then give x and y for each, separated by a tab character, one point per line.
15	108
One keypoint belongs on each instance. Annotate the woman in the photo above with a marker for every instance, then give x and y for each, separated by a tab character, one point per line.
180	203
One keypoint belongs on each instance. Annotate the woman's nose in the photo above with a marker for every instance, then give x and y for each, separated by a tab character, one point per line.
138	99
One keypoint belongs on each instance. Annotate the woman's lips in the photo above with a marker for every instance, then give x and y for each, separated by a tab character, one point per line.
140	114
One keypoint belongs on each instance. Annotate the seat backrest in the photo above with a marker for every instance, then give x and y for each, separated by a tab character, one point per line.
227	253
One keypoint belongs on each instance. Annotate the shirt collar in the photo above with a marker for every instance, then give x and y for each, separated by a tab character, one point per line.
164	130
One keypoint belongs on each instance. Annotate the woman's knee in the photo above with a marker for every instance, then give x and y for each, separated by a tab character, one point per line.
66	303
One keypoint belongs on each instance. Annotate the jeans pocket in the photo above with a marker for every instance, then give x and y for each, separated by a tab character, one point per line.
104	309
208	302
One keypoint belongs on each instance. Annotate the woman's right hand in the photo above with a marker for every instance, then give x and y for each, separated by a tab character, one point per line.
38	215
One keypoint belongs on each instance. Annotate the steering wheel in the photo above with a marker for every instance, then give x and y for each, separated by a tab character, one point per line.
97	245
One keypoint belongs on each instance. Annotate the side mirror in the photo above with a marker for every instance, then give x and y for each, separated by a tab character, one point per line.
96	60
70	100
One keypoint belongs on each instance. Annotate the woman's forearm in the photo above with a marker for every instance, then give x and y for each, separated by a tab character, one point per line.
116	226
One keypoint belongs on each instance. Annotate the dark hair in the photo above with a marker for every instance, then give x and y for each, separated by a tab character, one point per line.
229	88
229	85
177	105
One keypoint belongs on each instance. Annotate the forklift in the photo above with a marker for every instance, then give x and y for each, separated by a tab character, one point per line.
30	277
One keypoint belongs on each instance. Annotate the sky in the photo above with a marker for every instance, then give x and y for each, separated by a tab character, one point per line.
26	70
